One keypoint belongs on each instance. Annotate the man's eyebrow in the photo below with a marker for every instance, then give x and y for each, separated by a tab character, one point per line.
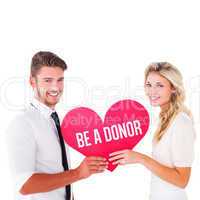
50	78
47	78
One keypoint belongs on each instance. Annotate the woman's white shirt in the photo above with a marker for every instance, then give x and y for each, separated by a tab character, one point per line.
175	149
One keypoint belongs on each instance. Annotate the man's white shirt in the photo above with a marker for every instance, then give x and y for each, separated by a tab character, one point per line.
34	147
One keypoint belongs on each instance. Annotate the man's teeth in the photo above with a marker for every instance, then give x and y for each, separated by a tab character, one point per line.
53	93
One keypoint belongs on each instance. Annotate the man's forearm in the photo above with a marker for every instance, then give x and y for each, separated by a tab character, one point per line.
41	182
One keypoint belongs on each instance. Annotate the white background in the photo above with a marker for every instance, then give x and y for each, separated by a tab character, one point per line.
107	44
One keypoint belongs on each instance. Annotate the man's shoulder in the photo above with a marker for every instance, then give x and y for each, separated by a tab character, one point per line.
20	128
24	117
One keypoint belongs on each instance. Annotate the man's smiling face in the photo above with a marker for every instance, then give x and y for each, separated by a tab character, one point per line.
48	85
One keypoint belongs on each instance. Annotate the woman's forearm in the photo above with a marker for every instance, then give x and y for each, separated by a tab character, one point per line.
176	176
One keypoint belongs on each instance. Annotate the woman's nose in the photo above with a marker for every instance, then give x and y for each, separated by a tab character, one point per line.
153	91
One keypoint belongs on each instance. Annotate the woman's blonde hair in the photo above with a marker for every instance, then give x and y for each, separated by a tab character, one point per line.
176	104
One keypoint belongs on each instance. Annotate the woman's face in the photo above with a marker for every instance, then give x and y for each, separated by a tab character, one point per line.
158	89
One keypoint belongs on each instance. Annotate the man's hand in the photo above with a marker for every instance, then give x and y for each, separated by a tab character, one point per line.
91	165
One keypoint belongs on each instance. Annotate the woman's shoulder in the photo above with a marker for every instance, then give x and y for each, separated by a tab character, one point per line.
183	121
183	117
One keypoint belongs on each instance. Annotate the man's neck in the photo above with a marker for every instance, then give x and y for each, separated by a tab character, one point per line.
52	107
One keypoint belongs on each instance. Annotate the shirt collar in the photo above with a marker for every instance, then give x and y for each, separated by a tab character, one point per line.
42	108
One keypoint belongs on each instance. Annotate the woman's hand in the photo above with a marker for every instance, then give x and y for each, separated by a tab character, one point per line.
125	157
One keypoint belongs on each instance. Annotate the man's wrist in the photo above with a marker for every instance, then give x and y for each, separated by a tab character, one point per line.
77	173
73	174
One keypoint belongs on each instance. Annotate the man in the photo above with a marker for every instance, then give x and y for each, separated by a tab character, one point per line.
35	144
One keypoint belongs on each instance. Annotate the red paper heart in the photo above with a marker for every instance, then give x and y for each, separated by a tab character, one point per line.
125	124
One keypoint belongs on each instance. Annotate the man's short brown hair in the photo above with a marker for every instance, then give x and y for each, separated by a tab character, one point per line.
46	58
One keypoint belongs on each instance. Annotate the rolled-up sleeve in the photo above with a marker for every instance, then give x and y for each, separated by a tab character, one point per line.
183	142
21	149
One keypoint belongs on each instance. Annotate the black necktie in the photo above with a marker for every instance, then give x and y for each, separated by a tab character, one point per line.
54	115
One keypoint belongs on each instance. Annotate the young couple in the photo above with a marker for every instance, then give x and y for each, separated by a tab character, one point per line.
40	161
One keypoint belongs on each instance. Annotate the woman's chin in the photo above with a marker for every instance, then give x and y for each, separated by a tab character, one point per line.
155	104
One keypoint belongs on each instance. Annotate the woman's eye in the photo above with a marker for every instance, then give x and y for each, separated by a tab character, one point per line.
160	85
148	85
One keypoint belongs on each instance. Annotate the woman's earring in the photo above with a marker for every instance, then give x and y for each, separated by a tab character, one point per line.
173	95
173	91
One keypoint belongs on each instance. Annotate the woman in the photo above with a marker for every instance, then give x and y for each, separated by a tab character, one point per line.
173	142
